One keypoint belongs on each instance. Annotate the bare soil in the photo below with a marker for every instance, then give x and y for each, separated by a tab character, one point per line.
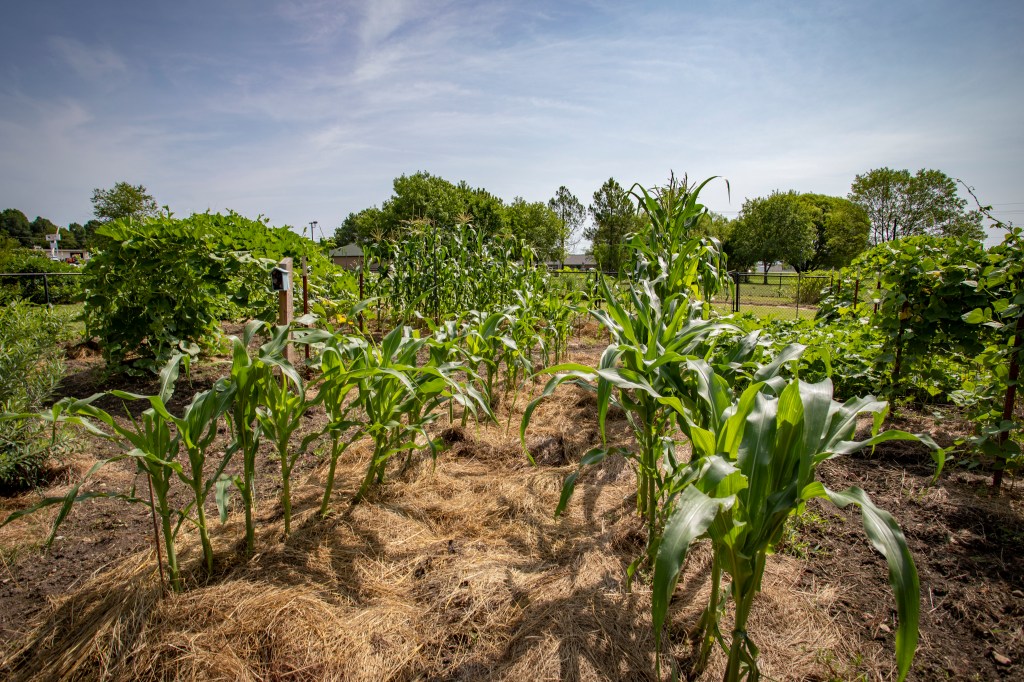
457	570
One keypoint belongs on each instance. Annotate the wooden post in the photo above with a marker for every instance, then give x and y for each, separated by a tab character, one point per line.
284	307
1010	397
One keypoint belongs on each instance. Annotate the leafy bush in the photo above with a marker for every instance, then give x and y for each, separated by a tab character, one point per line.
31	366
63	288
813	286
927	285
163	286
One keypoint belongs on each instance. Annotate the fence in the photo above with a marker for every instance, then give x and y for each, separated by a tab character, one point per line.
41	287
783	295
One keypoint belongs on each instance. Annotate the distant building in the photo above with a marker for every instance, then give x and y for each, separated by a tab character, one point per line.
66	255
349	256
575	261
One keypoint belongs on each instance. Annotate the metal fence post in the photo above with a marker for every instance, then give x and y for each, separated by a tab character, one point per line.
736	298
798	295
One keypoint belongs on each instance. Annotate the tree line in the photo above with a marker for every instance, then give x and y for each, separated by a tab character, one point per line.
804	230
120	201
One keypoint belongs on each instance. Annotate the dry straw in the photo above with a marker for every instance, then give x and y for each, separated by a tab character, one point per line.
457	571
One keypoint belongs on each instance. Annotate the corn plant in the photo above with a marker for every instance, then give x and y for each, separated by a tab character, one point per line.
670	252
337	383
400	398
197	429
247	380
282	404
755	463
151	444
641	372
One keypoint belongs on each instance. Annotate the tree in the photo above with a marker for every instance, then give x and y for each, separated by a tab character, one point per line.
615	217
422	196
538	225
841	231
902	205
366	227
123	201
40	228
15	225
571	213
775	228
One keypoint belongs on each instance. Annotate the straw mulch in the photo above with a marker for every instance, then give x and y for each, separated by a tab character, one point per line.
456	571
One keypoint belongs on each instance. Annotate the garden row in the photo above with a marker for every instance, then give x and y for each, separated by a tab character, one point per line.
729	423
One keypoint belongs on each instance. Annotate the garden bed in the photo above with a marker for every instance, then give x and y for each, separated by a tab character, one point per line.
458	570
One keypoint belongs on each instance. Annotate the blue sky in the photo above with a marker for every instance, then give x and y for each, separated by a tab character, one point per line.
306	110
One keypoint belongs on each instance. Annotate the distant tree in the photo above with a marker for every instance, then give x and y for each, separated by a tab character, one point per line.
841	231
538	225
779	227
902	205
484	210
615	217
40	228
123	201
422	196
366	227
571	213
15	225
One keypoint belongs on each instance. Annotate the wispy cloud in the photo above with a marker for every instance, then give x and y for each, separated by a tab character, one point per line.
298	107
94	63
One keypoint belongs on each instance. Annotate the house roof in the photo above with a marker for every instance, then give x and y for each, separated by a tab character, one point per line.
347	250
580	259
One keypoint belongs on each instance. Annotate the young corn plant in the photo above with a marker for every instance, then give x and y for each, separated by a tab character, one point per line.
197	429
282	406
400	398
641	372
755	463
247	379
339	380
149	442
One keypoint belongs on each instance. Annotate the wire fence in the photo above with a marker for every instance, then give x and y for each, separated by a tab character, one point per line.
782	295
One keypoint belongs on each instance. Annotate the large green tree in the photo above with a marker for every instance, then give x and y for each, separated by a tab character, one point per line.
615	216
841	231
422	197
538	225
779	227
571	213
902	205
123	200
15	225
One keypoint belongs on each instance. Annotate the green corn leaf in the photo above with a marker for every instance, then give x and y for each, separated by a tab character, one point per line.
886	537
694	513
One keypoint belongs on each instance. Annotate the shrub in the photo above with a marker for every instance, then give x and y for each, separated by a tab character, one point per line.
31	366
163	286
813	286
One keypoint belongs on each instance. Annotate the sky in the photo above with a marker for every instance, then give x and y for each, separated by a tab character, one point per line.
305	110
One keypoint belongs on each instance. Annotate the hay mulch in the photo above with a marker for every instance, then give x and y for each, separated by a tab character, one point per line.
455	570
